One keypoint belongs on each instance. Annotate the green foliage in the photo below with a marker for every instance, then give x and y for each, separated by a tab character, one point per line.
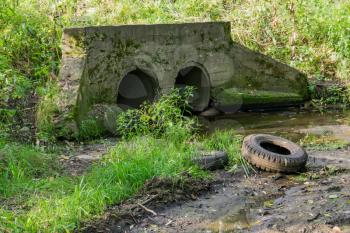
28	54
47	108
309	35
121	173
334	94
164	116
90	129
48	201
14	87
23	167
230	142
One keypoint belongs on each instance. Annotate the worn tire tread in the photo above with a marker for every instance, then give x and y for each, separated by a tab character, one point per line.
269	161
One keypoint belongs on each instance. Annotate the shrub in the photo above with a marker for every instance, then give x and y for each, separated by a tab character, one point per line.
162	117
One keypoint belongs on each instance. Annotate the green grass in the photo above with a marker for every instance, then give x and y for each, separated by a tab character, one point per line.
159	141
37	197
323	142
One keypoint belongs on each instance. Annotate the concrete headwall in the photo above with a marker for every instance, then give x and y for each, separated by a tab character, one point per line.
118	67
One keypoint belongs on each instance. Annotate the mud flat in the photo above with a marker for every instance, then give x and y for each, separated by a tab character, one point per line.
316	200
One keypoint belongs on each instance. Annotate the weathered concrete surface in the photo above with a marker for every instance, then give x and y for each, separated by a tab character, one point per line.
126	65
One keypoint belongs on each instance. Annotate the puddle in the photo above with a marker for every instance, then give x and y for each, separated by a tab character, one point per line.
237	219
293	124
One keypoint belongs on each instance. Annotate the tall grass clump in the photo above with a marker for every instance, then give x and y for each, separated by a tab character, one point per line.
118	176
230	142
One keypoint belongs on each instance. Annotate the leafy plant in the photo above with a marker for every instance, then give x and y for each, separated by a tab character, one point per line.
161	117
333	94
90	129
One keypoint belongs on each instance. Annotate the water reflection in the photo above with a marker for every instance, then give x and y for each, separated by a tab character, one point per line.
283	123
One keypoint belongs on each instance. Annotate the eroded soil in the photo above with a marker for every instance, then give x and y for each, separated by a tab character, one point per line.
317	200
77	158
314	201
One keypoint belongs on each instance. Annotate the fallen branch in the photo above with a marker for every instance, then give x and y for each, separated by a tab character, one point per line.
146	209
150	199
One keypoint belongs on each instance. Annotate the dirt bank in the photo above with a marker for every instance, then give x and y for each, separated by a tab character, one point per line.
314	201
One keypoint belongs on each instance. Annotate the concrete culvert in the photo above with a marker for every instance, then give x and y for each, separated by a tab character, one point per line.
195	77
135	88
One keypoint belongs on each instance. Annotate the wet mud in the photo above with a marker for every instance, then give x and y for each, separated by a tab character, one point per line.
316	200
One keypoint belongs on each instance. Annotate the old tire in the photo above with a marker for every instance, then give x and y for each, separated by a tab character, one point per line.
211	160
272	153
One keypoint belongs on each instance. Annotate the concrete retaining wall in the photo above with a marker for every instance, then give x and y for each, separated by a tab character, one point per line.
148	60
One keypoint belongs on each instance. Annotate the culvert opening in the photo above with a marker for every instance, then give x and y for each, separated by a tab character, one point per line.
275	148
195	77
135	88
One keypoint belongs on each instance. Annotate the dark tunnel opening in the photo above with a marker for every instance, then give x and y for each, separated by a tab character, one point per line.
135	88
194	76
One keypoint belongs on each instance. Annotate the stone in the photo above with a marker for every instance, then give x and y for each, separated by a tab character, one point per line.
86	157
105	116
24	130
210	112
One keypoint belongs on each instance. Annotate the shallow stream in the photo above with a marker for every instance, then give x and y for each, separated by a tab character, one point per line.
292	123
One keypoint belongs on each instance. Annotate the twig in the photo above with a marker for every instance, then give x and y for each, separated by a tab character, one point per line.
133	218
150	199
146	201
148	210
168	223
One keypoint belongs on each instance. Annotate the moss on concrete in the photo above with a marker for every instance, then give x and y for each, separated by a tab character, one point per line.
95	59
235	96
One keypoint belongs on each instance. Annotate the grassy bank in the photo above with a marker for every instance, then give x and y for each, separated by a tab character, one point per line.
36	195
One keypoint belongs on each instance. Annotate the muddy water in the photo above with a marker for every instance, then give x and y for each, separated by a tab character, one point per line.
290	124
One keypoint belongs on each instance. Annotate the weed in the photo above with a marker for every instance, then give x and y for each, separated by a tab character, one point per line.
90	129
47	108
230	142
165	116
329	95
322	142
51	207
